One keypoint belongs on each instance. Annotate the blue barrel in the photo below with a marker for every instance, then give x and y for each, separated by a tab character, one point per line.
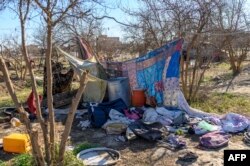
119	88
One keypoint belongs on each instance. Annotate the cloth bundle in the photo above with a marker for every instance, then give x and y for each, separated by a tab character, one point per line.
215	139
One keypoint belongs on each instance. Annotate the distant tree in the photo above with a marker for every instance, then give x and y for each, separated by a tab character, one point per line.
11	50
231	21
158	21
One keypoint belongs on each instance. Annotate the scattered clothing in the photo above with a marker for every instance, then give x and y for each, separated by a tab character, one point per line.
177	117
99	112
134	113
234	123
214	140
150	132
117	123
213	120
188	157
130	135
247	138
114	127
174	142
150	115
120	139
84	124
115	115
203	127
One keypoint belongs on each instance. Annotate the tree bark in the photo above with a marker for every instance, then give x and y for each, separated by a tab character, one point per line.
37	153
71	114
43	124
49	88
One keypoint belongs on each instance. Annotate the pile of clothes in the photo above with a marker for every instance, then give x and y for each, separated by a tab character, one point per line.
151	123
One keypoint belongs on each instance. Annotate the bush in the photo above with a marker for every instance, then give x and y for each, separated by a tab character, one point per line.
71	160
83	146
2	163
23	160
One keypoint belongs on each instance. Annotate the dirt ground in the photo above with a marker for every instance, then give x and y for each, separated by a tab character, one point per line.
138	151
239	84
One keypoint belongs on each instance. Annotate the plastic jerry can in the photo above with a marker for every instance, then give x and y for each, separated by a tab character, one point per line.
16	143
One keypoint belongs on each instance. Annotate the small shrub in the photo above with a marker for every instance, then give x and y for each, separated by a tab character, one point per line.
2	163
71	160
83	146
23	160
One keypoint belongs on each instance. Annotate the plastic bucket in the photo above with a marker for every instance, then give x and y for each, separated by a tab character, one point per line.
138	97
119	88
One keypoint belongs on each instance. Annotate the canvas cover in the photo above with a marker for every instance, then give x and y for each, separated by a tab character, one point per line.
97	84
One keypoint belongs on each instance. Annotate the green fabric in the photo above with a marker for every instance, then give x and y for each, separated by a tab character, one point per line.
204	125
95	89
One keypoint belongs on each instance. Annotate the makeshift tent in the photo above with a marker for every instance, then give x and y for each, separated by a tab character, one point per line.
157	72
97	84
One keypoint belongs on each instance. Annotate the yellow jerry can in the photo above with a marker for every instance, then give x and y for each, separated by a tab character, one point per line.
16	143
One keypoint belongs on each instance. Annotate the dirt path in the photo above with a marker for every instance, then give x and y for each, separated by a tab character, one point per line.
239	84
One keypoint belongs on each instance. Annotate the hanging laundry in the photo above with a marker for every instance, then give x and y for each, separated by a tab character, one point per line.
146	72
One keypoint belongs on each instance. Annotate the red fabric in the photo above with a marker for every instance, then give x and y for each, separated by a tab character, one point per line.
31	101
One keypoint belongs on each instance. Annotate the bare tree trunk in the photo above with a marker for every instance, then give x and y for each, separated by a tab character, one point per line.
37	153
71	114
49	88
43	124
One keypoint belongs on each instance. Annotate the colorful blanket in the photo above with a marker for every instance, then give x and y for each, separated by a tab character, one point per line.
151	70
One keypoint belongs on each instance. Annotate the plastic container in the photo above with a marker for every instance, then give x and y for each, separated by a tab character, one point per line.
16	143
138	97
15	122
119	88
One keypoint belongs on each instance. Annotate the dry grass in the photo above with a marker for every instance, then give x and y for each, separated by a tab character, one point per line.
223	103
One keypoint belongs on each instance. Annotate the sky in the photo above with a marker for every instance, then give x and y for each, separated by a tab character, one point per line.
9	25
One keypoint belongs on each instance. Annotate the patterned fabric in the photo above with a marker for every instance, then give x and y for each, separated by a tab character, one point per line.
214	139
234	123
146	72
